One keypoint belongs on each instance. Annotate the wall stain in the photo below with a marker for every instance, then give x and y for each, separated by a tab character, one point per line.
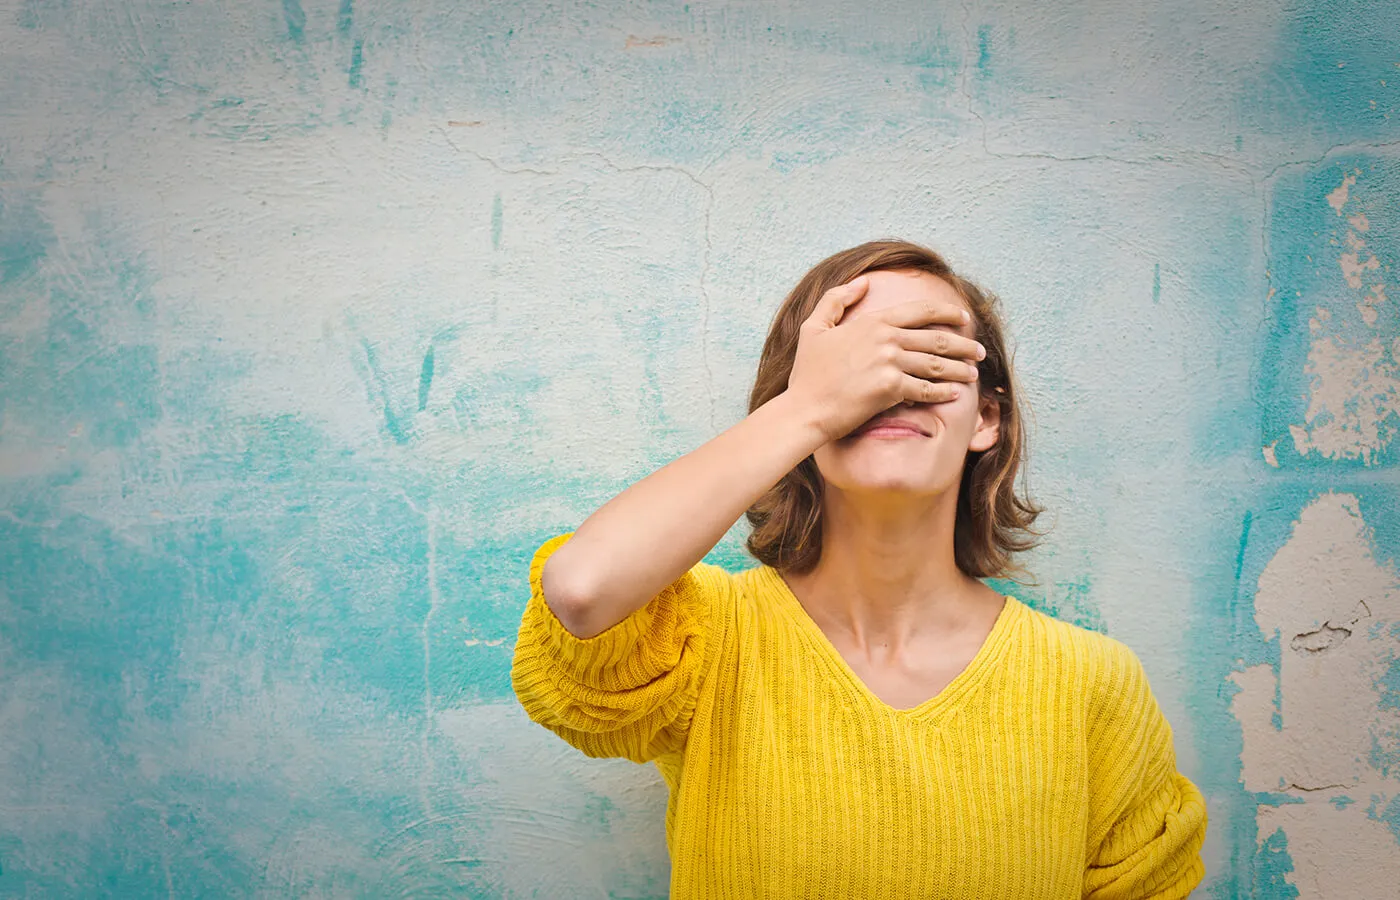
497	221
296	20
357	61
425	380
379	391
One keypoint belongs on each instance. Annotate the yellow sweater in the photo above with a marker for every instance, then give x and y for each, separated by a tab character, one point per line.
1044	770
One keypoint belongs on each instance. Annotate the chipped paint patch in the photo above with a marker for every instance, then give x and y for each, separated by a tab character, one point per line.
1354	404
1354	409
1333	605
1347	373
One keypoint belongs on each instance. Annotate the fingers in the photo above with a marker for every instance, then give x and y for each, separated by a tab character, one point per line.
833	304
939	343
917	390
921	313
937	368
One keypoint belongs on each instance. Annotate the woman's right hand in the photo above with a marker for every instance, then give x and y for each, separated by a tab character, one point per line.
851	373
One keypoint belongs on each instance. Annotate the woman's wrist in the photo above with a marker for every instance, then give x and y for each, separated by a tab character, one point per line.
795	422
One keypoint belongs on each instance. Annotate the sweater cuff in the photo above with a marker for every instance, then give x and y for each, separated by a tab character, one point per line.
632	651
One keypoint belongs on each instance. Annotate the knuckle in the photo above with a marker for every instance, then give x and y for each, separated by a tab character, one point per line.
936	366
940	342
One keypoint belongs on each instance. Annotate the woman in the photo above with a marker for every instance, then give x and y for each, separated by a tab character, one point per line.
860	715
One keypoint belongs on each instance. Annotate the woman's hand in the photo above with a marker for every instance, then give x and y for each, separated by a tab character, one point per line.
848	374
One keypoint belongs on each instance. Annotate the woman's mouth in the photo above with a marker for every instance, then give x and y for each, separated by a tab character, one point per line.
893	428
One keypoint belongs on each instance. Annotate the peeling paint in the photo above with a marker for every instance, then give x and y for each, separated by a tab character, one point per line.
1325	588
1354	407
1348	372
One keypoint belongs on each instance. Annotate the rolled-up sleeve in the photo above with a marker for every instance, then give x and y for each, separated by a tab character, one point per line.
630	691
1149	820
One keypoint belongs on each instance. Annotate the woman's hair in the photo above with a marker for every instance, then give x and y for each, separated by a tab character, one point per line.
993	521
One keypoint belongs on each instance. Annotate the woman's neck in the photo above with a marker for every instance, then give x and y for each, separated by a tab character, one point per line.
887	573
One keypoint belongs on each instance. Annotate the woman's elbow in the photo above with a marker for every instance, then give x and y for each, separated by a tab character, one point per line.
571	596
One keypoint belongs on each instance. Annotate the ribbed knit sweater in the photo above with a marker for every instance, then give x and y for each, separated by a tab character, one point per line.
1045	769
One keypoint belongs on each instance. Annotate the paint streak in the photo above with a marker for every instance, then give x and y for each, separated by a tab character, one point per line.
425	380
984	50
381	388
497	222
296	20
1156	282
345	18
1236	608
357	61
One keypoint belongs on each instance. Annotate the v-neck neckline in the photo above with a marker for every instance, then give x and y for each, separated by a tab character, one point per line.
935	708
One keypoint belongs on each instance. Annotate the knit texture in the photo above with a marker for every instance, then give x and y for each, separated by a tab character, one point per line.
1044	770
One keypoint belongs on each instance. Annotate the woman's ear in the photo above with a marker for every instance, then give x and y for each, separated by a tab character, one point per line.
988	424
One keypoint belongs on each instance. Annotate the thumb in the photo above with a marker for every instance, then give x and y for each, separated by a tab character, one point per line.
834	303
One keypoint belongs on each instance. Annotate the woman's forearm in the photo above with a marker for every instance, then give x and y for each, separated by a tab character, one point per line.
653	532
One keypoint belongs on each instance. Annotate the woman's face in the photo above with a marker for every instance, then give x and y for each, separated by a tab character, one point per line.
923	464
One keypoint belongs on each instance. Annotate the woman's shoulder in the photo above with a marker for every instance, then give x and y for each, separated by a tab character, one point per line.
1090	657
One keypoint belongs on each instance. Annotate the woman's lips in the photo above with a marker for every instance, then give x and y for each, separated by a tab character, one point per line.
892	431
893	428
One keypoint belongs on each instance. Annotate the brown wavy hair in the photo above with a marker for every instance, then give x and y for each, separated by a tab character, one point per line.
993	520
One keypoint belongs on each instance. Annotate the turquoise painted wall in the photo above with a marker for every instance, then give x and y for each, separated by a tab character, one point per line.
317	318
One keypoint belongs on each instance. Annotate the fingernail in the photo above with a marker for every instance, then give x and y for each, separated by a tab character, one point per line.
981	352
965	317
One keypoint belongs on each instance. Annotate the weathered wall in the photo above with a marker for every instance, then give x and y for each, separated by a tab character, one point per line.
317	317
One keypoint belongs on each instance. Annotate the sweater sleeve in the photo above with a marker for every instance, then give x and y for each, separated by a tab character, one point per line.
631	690
1148	821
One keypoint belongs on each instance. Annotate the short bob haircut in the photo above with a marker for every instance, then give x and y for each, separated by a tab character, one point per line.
993	521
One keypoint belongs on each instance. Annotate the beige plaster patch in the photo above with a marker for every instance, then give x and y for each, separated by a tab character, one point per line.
1355	400
1310	732
1337	852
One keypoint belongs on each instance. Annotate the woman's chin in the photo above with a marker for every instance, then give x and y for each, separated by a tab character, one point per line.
873	463
886	475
